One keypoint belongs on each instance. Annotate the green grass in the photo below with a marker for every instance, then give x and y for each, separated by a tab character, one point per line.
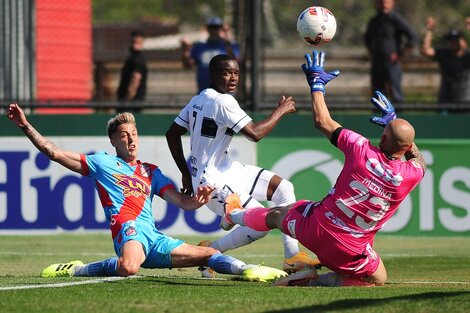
425	275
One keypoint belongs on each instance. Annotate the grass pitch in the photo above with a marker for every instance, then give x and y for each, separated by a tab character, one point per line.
425	275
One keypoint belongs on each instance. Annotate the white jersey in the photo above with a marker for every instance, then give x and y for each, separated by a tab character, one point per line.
211	118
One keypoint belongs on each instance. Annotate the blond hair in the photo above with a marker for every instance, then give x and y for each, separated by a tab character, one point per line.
121	118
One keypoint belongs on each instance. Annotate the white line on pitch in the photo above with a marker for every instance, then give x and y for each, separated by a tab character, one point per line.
100	280
108	279
60	285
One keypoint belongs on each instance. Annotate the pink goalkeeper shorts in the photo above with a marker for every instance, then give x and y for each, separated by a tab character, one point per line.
300	223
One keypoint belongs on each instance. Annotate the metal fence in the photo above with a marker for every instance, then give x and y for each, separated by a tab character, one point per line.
17	48
281	51
271	51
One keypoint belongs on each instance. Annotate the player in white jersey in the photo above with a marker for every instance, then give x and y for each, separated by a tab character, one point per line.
340	229
212	117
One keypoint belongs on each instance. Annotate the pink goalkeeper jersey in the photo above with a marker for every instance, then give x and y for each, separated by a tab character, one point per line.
367	192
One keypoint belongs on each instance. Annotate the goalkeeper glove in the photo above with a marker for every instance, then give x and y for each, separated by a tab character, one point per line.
385	106
317	78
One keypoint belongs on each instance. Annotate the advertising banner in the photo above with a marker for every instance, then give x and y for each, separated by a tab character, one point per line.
439	205
40	196
37	195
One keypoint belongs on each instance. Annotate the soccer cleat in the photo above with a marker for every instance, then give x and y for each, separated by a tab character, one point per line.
225	225
232	202
299	261
300	278
61	269
262	273
206	271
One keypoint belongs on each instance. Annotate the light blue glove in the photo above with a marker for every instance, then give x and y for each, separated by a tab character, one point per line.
317	78
385	106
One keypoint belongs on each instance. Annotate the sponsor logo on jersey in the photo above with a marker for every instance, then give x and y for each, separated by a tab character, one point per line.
378	169
197	107
132	186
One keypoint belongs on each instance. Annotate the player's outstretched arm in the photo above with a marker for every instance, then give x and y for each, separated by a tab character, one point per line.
317	78
186	202
173	138
257	131
68	159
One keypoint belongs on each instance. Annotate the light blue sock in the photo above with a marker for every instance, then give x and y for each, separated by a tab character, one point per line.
225	264
237	217
106	267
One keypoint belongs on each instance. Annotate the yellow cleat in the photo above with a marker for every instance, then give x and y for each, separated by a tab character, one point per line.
299	261
61	269
262	274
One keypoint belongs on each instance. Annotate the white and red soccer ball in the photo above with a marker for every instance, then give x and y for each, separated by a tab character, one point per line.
316	26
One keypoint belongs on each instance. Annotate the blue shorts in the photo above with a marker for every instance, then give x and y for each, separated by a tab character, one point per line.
157	246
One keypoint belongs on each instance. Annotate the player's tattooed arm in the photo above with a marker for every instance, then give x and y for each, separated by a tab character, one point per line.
415	155
70	160
39	141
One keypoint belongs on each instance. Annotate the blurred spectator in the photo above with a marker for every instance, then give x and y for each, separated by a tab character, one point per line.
454	63
200	53
133	84
388	39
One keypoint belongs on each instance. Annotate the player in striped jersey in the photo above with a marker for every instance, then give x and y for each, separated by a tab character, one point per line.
126	187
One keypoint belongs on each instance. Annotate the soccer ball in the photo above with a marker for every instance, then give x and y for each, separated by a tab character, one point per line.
316	26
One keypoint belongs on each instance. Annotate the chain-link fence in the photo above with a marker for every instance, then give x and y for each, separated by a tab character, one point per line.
281	50
280	54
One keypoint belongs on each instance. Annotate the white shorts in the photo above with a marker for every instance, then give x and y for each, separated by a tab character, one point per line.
248	181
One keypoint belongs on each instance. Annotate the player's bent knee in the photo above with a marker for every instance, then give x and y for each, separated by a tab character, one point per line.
275	216
127	268
380	275
284	193
380	280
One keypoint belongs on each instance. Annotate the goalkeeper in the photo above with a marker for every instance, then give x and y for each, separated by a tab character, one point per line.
340	229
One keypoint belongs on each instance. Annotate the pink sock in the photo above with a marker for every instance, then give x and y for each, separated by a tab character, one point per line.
255	218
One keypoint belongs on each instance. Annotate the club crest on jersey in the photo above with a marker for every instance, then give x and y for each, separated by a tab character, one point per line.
132	185
129	229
